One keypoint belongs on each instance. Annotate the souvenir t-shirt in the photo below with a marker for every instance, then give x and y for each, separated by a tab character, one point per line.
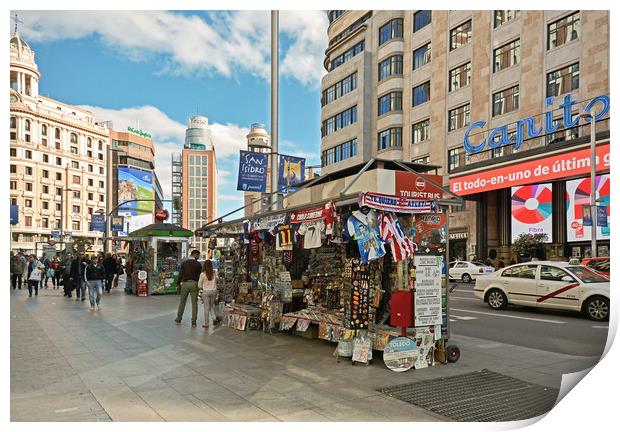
365	229
284	238
312	232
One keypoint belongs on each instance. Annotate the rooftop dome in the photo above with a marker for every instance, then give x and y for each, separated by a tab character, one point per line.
21	51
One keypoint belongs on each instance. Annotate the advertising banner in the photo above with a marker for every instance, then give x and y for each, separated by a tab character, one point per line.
117	223
14	214
601	216
531	210
135	184
429	233
586	213
291	171
396	204
578	196
97	222
410	185
548	168
252	172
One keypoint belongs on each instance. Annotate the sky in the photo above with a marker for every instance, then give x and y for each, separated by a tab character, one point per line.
153	69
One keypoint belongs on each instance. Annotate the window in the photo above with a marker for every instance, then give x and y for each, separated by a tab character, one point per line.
45	174
44	142
100	145
458	117
392	137
563	31
27	125
507	55
58	207
28	203
90	195
100	156
46	189
13	152
422	56
347	55
392	101
334	15
506	101
421	19
28	187
89	154
100	170
527	271
44	130
45	205
90	168
339	89
563	134
74	150
340	152
59	176
13	169
13	123
75	225
390	30
420	131
347	31
339	121
90	182
76	179
46	158
563	80
101	184
45	222
553	273
89	142
459	77
13	201
13	185
460	36
75	164
76	209
28	171
58	161
421	94
425	160
28	154
28	221
504	16
57	133
90	210
100	197
58	191
73	138
392	65
76	194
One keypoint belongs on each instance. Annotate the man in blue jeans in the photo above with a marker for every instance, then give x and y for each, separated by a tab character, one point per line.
95	275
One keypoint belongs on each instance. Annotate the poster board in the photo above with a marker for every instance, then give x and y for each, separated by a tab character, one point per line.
428	283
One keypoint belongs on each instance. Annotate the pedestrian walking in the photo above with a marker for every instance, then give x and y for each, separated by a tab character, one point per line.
51	271
35	274
188	284
17	269
110	266
25	262
67	280
207	283
95	276
77	276
44	279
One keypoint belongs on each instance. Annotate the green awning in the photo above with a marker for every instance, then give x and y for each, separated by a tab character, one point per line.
161	230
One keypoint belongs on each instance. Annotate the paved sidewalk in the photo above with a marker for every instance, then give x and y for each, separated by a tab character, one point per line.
130	362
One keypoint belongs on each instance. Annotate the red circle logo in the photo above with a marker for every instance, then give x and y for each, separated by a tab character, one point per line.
162	215
420	184
575	225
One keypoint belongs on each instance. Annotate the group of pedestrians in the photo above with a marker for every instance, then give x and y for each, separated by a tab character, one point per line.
76	272
195	279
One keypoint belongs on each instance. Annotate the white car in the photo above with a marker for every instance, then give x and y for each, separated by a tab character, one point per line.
467	271
547	284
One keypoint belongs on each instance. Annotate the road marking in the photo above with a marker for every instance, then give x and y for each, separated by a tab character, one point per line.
65	410
453	320
464	318
600	327
509	316
465	298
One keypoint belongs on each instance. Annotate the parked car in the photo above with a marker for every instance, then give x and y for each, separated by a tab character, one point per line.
467	271
600	264
547	284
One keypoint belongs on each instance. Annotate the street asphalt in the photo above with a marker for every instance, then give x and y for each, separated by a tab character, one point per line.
562	332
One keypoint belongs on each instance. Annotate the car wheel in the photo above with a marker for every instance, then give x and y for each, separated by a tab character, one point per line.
597	308
466	278
497	299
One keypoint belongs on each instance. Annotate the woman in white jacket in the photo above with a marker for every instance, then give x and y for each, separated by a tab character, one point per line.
207	283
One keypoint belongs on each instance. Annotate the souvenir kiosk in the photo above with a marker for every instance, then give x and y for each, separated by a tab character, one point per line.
154	258
355	257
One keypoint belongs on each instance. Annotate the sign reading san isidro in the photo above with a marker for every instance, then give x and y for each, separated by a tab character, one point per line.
526	128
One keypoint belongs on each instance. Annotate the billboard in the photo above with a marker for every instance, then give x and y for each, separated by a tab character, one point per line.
531	210
252	172
135	184
14	214
577	196
97	222
291	171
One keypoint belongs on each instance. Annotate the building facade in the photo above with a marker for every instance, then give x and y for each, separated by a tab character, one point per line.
58	156
199	179
406	85
259	142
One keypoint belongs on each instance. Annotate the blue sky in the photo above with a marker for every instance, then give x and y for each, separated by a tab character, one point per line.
154	69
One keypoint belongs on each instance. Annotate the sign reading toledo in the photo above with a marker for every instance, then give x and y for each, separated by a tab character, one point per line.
526	128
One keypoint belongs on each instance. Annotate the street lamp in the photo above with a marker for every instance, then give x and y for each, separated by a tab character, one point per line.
593	208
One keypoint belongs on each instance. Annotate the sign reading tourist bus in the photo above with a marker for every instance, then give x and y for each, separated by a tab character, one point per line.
526	128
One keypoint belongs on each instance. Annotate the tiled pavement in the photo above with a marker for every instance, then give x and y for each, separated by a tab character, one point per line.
130	362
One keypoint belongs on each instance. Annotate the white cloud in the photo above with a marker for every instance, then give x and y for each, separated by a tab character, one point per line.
223	44
169	136
232	197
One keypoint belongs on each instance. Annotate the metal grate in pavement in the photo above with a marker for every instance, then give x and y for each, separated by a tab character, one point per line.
477	397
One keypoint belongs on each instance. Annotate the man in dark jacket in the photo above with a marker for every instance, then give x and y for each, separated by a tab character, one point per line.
95	275
17	269
77	274
187	284
109	264
67	281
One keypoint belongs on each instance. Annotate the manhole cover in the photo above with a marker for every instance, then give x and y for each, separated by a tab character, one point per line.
477	397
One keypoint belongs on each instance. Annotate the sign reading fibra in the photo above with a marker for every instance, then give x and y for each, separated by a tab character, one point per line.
526	128
138	132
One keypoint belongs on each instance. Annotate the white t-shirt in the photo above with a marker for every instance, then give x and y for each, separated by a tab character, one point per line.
207	285
312	232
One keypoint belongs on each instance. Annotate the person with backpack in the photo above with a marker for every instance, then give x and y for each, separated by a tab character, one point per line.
95	275
17	269
35	274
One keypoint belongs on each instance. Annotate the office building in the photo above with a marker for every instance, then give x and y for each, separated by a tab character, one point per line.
413	85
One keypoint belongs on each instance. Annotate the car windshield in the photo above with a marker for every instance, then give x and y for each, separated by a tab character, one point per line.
586	275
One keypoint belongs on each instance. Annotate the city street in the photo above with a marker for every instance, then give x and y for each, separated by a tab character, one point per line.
562	332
